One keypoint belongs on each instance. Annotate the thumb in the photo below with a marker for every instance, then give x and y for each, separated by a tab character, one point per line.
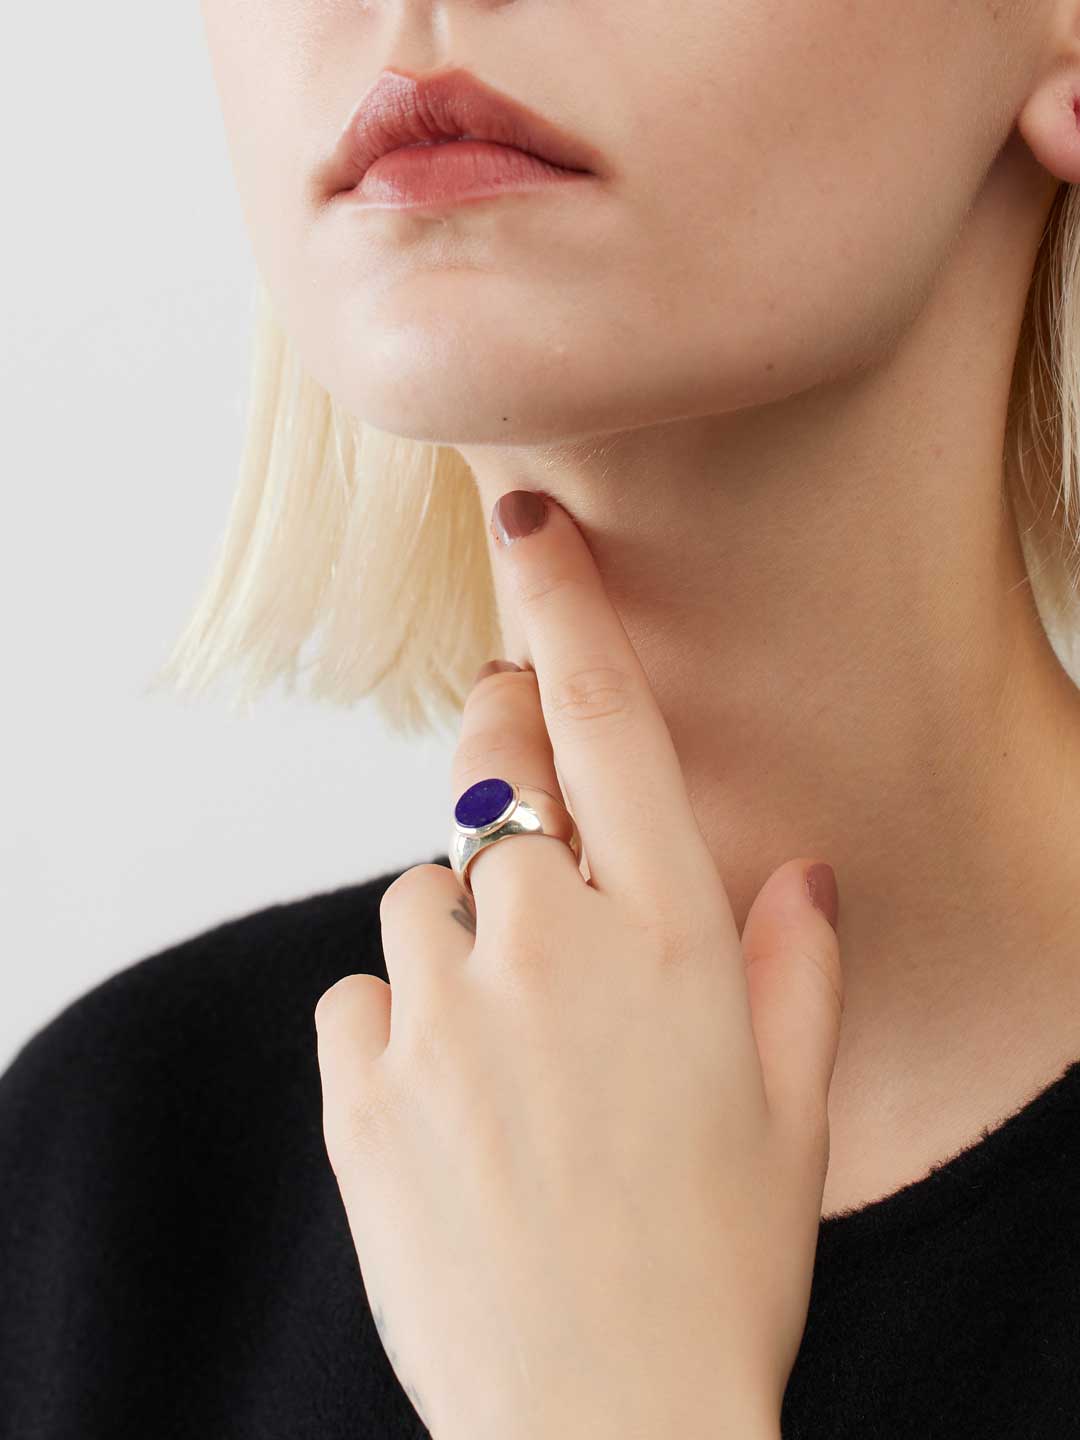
795	983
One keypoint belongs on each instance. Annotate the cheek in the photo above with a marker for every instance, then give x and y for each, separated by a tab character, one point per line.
789	180
794	192
274	64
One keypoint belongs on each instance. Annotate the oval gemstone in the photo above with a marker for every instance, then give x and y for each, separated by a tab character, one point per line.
483	802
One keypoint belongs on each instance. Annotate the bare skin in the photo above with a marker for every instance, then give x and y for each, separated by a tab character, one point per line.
765	367
920	733
838	602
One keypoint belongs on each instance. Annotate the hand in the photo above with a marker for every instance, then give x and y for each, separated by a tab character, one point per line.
583	1161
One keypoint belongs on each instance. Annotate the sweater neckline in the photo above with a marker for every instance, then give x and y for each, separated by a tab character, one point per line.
953	1185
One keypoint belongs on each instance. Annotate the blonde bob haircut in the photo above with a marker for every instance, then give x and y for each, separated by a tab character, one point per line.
374	546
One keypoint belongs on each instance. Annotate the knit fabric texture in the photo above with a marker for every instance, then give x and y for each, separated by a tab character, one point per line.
175	1259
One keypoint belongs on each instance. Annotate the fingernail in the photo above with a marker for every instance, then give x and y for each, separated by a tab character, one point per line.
517	513
492	667
821	884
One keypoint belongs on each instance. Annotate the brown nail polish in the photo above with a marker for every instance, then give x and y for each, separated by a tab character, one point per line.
517	513
821	885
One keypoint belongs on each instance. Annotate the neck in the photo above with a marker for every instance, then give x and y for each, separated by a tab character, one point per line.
829	598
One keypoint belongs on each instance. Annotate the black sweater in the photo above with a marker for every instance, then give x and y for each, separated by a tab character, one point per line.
175	1258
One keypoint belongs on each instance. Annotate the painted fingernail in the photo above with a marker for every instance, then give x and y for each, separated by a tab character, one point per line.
821	884
492	667
517	513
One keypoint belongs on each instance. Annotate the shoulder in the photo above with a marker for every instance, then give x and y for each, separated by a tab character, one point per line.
161	1137
249	984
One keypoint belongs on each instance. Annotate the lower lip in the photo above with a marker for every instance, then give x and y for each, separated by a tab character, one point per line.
445	173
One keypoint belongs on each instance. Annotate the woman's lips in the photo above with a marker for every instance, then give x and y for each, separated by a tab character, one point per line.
444	172
446	108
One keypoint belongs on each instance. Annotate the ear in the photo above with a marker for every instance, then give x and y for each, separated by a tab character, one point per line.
1050	119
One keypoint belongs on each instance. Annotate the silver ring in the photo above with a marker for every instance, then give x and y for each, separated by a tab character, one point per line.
493	809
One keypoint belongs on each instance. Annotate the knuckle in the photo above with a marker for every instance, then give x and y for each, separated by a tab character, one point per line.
407	887
591	695
543	589
822	962
527	956
680	947
670	945
477	748
533	960
678	938
521	961
339	998
825	963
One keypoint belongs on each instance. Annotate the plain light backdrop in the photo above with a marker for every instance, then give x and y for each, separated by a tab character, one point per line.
129	821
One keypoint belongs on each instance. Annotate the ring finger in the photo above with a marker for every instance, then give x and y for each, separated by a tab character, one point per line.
503	734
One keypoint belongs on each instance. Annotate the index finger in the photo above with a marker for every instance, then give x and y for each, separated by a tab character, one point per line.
614	752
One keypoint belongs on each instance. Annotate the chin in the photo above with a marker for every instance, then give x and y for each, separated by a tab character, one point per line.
453	406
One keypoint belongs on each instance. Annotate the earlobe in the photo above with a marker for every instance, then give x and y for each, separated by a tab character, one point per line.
1050	123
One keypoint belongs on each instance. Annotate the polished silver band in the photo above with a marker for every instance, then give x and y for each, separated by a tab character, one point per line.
511	809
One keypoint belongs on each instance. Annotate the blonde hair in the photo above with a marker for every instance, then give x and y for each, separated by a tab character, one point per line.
375	541
378	542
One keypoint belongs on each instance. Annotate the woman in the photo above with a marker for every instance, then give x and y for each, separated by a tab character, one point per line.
753	331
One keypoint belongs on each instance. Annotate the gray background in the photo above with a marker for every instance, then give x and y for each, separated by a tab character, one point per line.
126	285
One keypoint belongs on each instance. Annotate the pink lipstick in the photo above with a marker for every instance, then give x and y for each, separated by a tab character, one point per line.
447	138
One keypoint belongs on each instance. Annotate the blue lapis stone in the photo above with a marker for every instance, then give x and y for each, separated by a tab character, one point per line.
482	803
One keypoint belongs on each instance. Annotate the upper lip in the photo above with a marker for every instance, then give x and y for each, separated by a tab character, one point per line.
399	110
